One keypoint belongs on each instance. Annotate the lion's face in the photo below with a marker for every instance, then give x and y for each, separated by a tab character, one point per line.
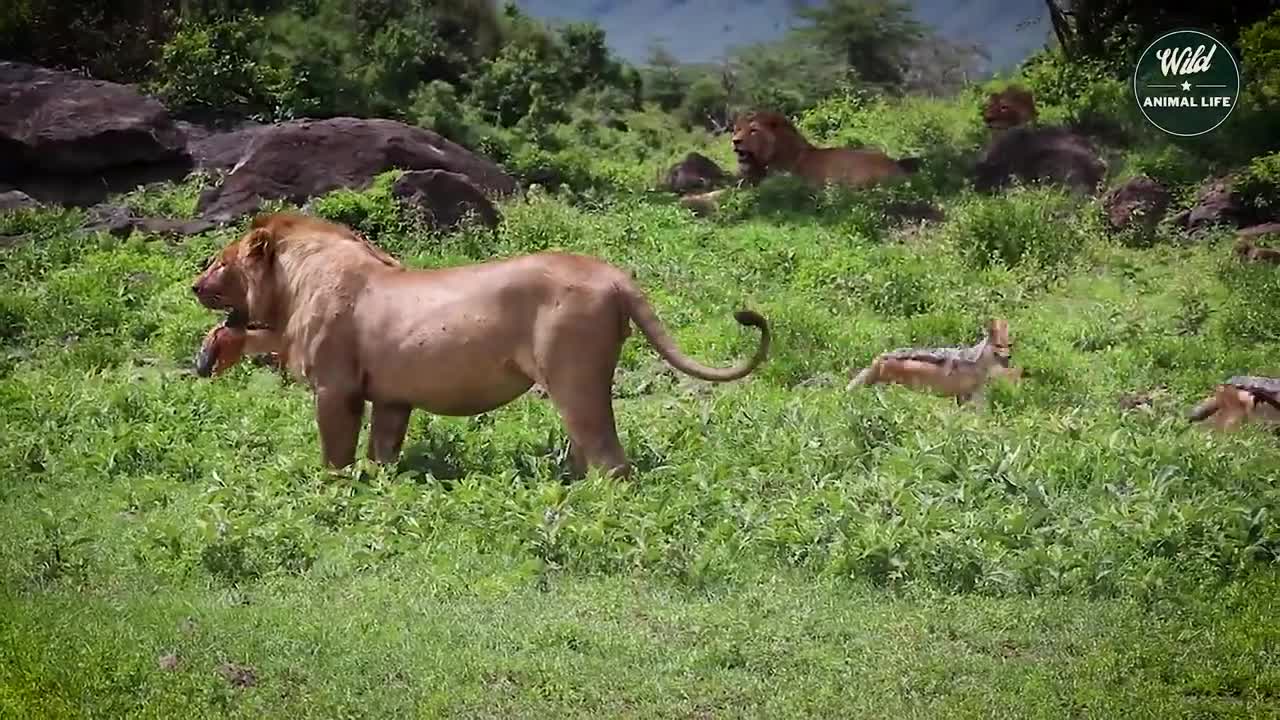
755	140
226	283
1009	108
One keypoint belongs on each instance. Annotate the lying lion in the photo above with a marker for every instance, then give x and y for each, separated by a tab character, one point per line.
1240	398
452	341
1246	249
1015	106
767	141
961	373
1020	148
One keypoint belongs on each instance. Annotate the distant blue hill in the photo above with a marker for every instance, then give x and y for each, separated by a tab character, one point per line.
703	30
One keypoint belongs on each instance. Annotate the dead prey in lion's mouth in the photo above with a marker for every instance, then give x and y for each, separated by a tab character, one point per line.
226	343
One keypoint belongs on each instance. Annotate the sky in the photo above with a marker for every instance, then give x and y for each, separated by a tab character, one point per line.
703	30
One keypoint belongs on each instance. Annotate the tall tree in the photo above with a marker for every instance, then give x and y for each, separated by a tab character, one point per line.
874	36
1115	31
664	83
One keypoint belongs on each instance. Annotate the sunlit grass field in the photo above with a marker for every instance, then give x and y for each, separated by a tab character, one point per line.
173	547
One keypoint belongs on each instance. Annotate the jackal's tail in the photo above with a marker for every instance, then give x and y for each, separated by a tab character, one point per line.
865	377
1203	410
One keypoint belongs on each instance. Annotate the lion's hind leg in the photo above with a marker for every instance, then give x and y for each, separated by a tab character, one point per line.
575	363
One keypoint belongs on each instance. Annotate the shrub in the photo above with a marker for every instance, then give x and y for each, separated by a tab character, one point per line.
435	105
1258	186
1023	224
1252	310
215	66
1260	57
374	212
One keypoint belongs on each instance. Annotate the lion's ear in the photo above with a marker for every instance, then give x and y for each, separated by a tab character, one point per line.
259	243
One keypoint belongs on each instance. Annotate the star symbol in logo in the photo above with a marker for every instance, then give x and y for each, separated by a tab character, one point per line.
1186	86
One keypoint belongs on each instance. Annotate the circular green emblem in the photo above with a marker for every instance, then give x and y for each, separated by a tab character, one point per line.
1186	82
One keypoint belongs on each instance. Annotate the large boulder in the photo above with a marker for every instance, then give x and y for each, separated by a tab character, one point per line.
1139	201
1040	154
15	200
1217	203
59	122
300	159
219	150
71	140
695	173
444	198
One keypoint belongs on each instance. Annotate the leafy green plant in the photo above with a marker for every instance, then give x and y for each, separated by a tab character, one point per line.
1022	225
1259	185
215	65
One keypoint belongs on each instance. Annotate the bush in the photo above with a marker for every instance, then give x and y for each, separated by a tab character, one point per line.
1252	310
1024	224
373	212
706	104
1260	58
112	40
215	66
1258	186
435	106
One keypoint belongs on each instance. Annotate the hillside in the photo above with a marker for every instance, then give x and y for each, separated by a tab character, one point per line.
703	30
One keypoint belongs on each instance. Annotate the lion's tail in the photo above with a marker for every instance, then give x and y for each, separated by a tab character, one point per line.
642	314
910	164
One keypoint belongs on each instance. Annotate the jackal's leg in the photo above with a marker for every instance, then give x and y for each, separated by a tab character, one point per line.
974	398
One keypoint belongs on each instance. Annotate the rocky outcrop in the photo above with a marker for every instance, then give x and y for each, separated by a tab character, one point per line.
15	200
300	159
70	140
1040	154
444	199
121	222
1138	202
1216	204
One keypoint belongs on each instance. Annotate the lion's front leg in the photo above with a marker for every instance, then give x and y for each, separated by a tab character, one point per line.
390	422
338	416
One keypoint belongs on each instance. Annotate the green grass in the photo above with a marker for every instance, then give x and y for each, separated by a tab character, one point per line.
435	637
786	549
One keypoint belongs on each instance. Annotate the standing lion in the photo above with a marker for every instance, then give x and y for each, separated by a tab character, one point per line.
464	340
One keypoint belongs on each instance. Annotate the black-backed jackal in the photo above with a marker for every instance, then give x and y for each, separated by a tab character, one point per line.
1240	398
961	373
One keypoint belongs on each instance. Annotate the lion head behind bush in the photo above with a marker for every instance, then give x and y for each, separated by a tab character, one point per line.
1012	107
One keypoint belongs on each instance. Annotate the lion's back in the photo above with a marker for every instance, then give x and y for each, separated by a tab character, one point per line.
851	165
